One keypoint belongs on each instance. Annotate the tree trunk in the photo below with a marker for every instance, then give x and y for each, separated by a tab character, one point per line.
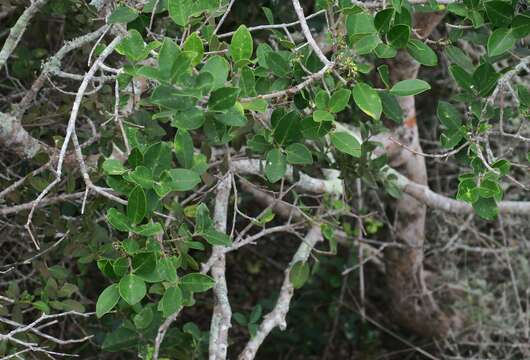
412	304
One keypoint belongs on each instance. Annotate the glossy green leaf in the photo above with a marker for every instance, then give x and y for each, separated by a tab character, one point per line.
367	99
214	237
299	154
422	53
321	115
118	220
500	41
137	205
122	14
299	274
346	143
399	36
113	167
339	100
107	300
193	44
171	302
132	289
448	115
275	165
410	87
142	176
241	46
197	282
223	98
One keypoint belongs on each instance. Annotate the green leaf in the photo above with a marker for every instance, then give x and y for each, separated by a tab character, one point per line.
137	205
299	274
299	154
486	208
366	44
149	229
247	82
383	20
275	165
122	14
384	51
521	25
278	64
177	180
107	300
410	87
448	115
523	93
322	100
457	56
315	130
500	13
223	98
367	100
171	302
113	167
167	270
132	289
241	46
118	220
144	318
287	128
500	41
321	115
190	119
214	237
183	145
157	157
399	35
193	44
391	107
197	282
360	24
422	53
218	67
142	176
485	79
346	143
462	77
339	100
179	11
133	47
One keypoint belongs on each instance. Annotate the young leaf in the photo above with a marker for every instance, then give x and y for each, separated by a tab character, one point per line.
410	87
275	165
137	205
367	100
241	46
107	300
299	154
132	289
346	143
299	274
